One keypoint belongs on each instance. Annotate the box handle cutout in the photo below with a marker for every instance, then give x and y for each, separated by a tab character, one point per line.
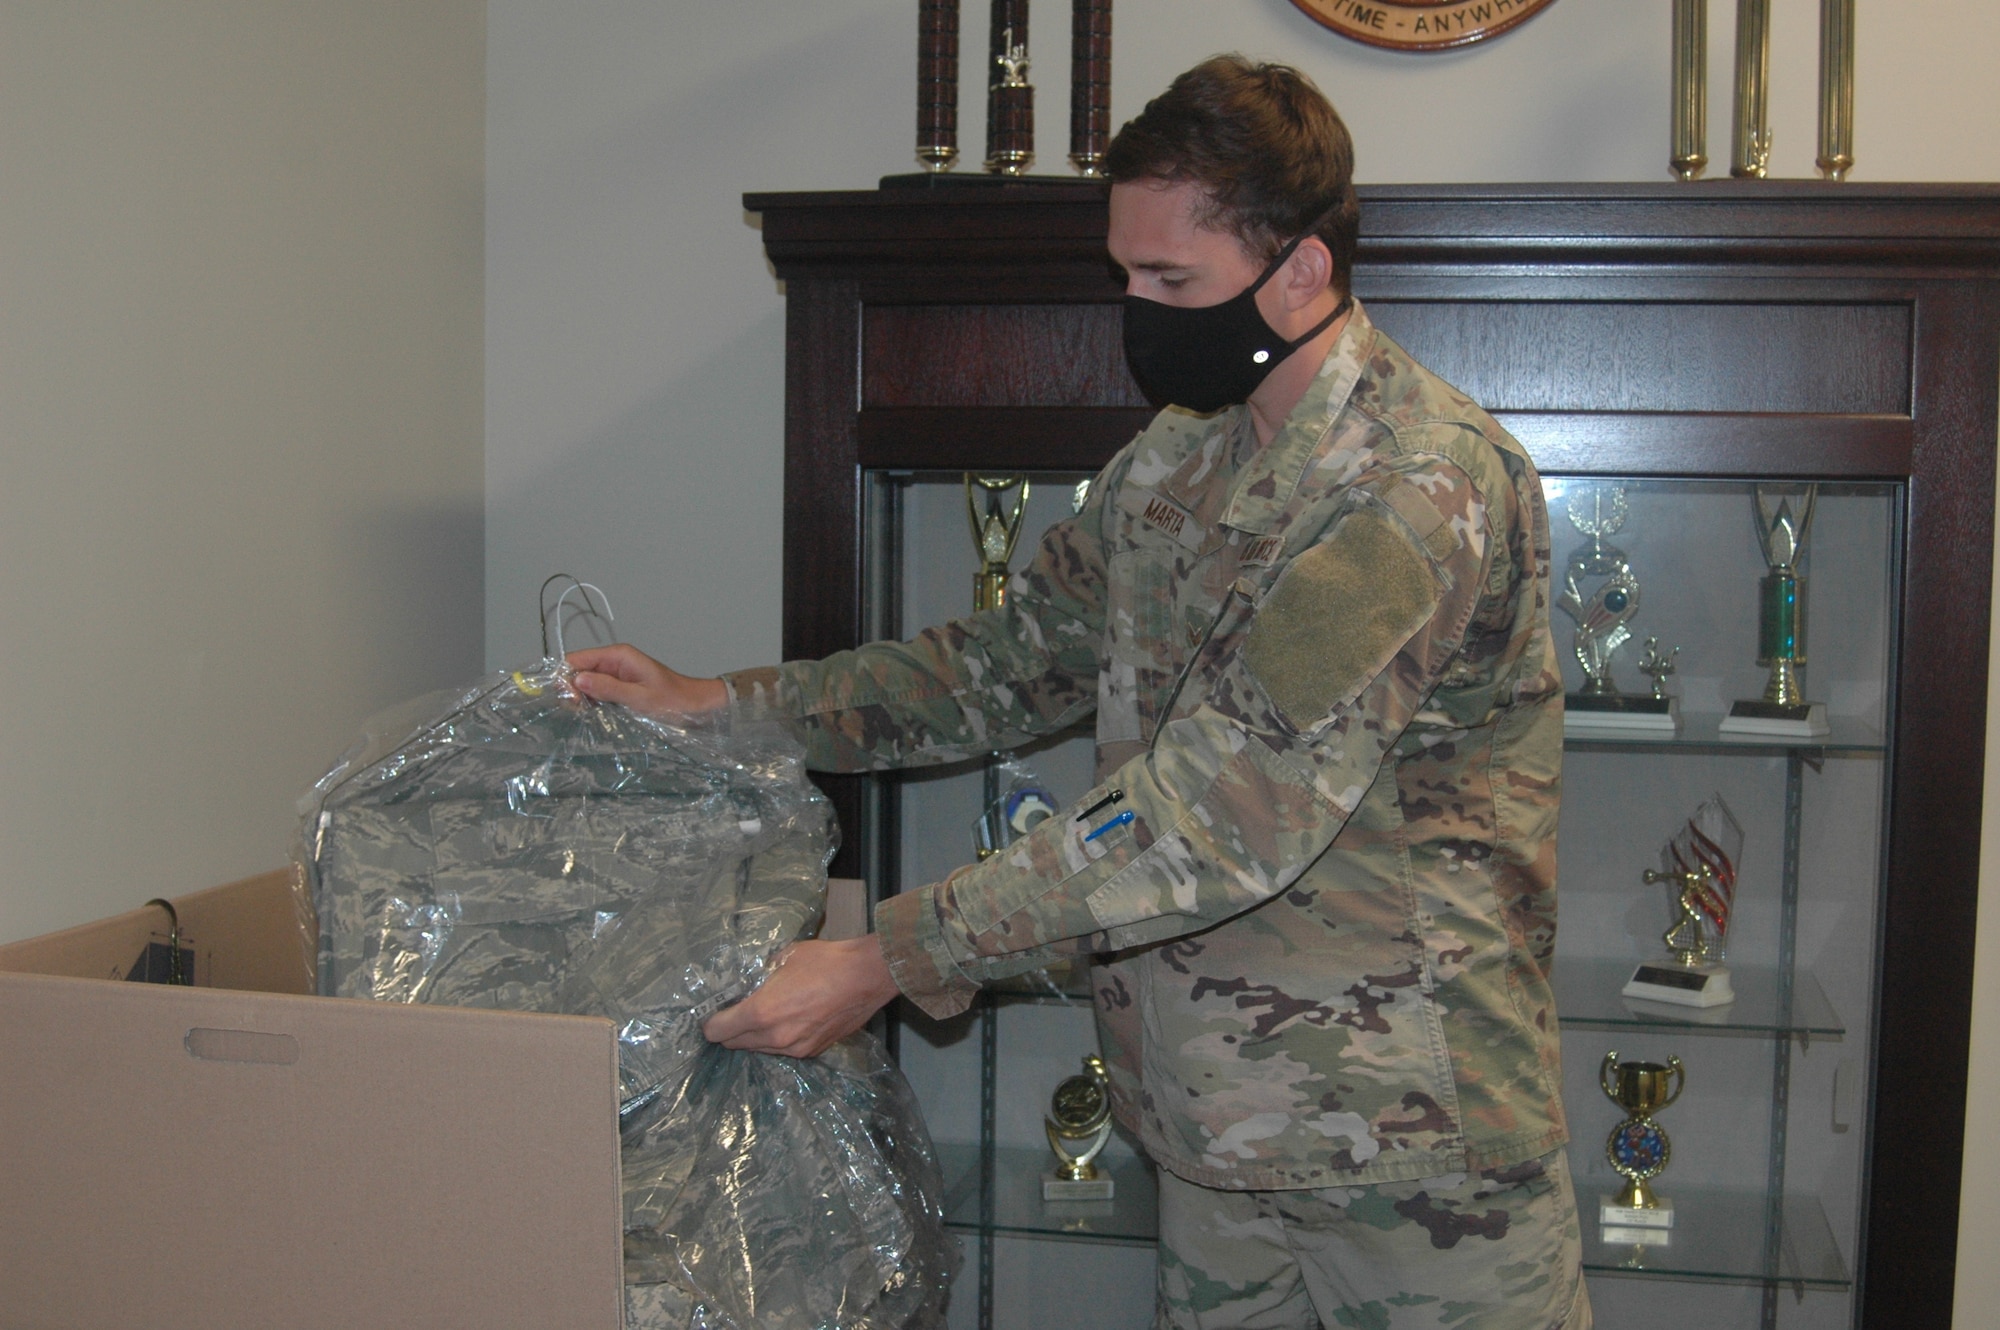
242	1046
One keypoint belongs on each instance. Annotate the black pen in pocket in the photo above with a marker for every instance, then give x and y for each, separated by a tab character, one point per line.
1113	797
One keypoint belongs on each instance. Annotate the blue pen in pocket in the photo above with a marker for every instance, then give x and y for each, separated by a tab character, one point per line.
1123	819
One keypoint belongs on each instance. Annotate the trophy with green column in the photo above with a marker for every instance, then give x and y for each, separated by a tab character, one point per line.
1784	521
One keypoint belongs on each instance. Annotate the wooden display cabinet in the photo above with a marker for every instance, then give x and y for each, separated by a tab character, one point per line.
1682	342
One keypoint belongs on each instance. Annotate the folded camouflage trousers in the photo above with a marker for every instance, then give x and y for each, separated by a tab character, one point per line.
1498	1250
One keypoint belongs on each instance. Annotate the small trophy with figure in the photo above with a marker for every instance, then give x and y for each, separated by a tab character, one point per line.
1783	712
1600	592
1078	1125
1699	866
1637	1148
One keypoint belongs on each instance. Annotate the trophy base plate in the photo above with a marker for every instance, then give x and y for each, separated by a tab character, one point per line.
1062	1189
1627	1235
1652	1219
1620	716
1682	985
1770	720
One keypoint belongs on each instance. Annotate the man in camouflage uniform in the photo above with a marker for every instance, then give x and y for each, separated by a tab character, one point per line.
1313	628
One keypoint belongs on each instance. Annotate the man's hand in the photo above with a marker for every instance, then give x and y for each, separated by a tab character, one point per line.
627	675
821	992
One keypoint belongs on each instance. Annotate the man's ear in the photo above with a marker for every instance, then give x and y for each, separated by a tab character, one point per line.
1307	273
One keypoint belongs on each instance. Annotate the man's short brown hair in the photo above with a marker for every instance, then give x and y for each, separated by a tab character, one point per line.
1263	143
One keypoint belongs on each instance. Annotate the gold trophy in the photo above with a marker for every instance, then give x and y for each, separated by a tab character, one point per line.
995	532
1078	1124
1637	1148
1690	105
1697	978
1783	711
1750	147
1836	88
1699	863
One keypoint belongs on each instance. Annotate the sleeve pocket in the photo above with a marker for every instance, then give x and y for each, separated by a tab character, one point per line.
1338	615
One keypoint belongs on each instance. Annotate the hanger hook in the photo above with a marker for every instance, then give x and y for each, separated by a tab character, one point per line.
546	609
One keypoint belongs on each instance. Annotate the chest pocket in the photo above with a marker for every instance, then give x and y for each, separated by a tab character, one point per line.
1217	608
1337	617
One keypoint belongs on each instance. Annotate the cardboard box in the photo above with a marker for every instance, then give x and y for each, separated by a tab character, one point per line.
240	1154
244	935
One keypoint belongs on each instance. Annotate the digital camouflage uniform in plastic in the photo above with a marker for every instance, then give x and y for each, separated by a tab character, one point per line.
1324	682
509	847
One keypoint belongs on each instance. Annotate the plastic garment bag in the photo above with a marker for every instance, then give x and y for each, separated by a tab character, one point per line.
515	847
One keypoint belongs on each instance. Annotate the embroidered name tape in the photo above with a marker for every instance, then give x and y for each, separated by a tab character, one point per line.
1262	550
1166	517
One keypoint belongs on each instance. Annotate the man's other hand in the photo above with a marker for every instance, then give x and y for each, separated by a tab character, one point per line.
821	992
629	676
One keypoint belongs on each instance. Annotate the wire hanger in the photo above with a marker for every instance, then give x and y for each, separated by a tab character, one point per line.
547	610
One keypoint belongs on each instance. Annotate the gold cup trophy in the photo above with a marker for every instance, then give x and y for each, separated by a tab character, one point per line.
1637	1148
1078	1125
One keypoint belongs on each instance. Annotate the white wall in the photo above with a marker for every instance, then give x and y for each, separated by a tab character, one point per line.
240	405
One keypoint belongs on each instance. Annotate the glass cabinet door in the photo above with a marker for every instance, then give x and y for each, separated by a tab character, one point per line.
1689	341
1767	1138
984	1079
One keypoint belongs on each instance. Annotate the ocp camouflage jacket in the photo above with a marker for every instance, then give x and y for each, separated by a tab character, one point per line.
1325	686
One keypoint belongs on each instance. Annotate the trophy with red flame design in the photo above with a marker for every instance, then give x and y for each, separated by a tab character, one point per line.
1699	864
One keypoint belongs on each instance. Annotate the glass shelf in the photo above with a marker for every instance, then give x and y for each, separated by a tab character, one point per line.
1720	1237
1132	1215
1701	733
1588	998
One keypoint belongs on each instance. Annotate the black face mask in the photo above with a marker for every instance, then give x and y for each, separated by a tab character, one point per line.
1212	356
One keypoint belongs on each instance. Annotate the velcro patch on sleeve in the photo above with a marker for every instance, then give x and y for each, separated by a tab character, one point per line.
1338	615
